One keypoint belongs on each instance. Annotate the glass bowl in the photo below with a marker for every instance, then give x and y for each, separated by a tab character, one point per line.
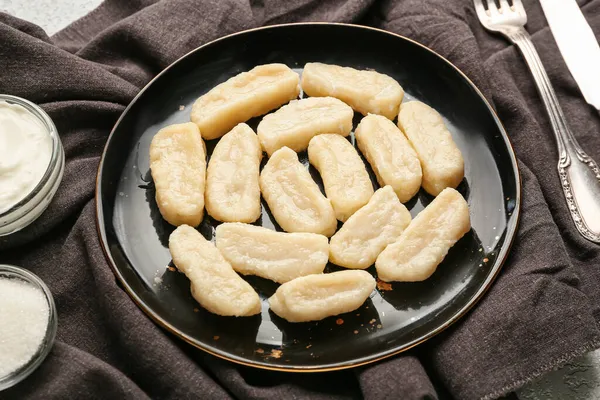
33	205
12	272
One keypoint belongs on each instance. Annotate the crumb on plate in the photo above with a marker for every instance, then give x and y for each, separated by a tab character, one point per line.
381	285
276	353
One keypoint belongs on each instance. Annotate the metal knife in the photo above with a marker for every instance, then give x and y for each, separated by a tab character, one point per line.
577	44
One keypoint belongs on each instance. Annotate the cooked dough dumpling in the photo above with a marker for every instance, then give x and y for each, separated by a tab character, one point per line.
391	156
345	178
369	230
365	91
244	96
232	189
441	160
293	125
279	256
424	244
178	168
215	285
314	297
293	197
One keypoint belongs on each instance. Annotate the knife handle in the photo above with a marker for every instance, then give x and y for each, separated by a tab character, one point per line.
579	174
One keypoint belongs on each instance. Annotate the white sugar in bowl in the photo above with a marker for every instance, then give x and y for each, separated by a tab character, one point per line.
28	323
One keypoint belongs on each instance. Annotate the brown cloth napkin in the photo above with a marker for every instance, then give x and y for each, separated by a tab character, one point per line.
541	312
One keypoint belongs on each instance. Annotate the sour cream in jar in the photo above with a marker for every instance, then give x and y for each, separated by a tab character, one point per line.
25	153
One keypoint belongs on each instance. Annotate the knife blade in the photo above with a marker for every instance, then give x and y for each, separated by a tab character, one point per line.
577	44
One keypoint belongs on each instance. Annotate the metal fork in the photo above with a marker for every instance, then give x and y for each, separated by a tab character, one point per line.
578	172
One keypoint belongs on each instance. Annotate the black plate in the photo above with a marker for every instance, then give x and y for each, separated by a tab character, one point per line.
134	235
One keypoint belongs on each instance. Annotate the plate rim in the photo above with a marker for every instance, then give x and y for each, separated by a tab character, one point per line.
512	226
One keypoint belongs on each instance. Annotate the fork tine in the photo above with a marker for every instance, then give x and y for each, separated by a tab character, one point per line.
518	7
481	13
492	8
504	6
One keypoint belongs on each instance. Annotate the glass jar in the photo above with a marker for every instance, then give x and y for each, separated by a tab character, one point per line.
33	205
12	272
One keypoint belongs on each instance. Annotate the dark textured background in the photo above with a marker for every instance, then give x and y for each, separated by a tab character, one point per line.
542	311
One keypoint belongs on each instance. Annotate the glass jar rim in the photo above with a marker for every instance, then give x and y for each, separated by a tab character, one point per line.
47	342
41	115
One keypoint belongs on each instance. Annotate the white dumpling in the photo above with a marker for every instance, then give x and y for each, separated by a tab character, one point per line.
278	256
178	168
390	155
424	244
214	283
293	197
345	178
364	90
293	125
232	188
244	96
369	230
441	160
314	297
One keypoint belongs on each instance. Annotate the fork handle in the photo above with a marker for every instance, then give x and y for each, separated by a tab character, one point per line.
579	174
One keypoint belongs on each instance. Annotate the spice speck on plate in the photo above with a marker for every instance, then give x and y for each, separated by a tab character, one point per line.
381	285
276	353
24	313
